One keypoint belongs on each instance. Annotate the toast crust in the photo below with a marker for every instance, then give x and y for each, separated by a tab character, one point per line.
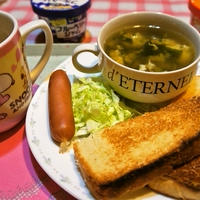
140	178
187	174
142	148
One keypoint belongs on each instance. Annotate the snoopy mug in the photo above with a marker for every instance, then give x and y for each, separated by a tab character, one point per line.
15	77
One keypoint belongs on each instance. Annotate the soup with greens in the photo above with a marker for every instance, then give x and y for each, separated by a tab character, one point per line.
150	48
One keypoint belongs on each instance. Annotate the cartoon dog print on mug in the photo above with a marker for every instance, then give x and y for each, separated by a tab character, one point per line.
6	81
16	78
14	85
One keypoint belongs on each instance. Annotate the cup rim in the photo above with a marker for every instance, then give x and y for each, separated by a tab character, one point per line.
193	30
13	31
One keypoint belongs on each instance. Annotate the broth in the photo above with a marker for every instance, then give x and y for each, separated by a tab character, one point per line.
3	36
150	48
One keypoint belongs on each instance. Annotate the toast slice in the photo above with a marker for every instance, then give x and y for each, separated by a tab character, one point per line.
130	154
182	183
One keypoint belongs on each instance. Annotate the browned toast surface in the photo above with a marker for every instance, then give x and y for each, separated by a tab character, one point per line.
188	174
182	183
133	144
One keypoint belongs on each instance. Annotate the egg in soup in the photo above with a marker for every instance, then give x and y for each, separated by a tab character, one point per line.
150	48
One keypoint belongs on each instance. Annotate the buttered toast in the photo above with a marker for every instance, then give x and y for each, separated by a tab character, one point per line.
128	155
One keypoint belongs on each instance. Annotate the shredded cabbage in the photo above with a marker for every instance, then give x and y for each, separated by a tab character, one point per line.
95	106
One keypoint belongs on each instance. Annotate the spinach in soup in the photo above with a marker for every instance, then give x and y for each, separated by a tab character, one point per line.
150	48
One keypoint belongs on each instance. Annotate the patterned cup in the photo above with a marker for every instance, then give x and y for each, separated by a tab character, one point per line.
15	78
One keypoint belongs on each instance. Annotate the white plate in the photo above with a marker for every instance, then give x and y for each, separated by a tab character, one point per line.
60	167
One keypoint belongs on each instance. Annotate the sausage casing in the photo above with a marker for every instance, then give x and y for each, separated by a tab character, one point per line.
61	117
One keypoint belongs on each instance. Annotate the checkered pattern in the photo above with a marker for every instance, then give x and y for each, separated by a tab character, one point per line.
103	10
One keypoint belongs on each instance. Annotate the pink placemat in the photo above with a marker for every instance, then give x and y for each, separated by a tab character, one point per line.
21	177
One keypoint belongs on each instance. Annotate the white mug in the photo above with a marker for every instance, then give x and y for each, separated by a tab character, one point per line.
15	77
141	86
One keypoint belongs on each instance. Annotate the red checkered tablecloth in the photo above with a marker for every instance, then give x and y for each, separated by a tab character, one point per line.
102	10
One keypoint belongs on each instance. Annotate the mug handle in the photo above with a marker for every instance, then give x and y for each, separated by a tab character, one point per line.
92	48
25	30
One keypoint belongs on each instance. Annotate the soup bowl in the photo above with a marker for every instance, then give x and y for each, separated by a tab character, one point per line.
134	84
